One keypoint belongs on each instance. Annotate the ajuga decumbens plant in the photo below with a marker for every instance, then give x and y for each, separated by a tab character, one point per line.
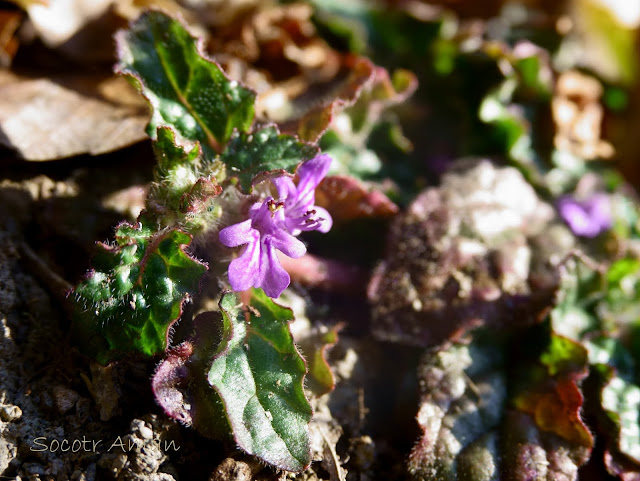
223	180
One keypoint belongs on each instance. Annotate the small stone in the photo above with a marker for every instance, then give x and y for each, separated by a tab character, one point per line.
232	470
364	452
145	432
64	398
119	462
77	475
90	473
10	413
161	477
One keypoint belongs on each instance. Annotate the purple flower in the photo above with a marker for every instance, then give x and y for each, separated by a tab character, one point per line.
272	226
258	266
588	217
299	211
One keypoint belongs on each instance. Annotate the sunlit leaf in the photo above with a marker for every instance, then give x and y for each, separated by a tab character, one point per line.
258	373
186	90
251	158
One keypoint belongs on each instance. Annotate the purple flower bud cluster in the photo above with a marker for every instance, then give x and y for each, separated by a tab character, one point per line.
273	225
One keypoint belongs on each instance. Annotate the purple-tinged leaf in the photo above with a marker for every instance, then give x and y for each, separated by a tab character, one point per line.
180	385
343	93
348	198
169	381
475	251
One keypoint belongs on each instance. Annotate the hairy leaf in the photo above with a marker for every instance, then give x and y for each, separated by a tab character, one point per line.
477	421
184	185
135	292
251	158
180	383
258	373
186	90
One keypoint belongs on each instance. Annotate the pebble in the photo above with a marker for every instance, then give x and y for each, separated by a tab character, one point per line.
9	413
145	432
64	398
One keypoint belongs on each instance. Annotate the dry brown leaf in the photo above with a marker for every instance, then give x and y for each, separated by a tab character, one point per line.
43	119
578	116
347	199
276	50
9	23
342	92
56	21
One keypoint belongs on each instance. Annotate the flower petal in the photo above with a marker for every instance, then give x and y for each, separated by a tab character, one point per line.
324	219
310	174
244	271
238	234
599	209
586	218
286	187
273	278
288	244
316	218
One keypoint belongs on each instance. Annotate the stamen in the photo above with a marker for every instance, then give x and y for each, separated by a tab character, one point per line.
274	206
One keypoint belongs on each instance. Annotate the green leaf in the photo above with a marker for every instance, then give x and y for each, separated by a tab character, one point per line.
314	347
251	158
258	373
489	412
512	129
366	128
135	292
622	302
621	401
580	289
563	355
177	169
186	90
592	307
173	159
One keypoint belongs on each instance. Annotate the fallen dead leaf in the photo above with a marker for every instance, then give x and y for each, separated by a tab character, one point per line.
347	198
57	20
44	119
9	23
